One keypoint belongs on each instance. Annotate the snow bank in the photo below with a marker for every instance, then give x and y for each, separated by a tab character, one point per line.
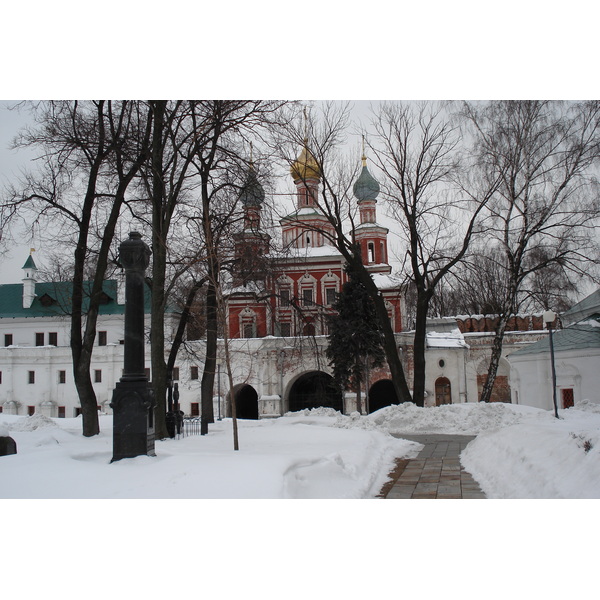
464	419
32	423
302	455
540	458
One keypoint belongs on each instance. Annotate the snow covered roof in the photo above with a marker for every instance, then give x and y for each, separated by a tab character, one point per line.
581	336
452	339
582	309
385	282
310	251
251	287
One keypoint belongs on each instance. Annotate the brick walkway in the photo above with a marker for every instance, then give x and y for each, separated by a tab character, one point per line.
435	473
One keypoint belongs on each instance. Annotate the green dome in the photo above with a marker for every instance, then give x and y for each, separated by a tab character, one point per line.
366	186
252	193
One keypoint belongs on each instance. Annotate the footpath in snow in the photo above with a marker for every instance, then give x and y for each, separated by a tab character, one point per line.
519	452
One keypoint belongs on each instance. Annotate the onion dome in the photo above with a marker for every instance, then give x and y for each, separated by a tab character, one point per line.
305	166
252	193
366	186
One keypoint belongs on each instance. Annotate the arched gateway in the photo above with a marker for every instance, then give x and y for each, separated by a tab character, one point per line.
246	401
315	389
382	394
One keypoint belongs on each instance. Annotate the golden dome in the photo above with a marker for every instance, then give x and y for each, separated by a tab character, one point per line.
305	166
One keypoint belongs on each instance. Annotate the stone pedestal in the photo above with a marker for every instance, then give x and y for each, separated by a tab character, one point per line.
133	401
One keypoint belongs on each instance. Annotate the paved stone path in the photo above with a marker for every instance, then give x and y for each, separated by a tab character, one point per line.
435	473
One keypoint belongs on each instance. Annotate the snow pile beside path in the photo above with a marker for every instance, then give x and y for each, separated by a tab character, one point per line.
321	411
299	456
467	419
37	421
551	458
588	405
356	421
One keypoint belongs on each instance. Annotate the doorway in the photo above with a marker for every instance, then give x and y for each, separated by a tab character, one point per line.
382	394
443	391
313	390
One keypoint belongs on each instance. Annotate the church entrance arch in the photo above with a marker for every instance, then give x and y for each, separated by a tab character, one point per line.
315	389
246	401
382	394
443	391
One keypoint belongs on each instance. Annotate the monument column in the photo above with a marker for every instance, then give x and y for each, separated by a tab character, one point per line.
132	401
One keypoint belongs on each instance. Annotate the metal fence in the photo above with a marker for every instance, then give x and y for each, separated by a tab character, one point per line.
190	426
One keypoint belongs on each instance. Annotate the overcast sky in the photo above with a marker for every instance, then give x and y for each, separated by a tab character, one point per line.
375	50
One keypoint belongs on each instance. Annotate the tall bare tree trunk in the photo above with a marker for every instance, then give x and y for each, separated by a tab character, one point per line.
159	258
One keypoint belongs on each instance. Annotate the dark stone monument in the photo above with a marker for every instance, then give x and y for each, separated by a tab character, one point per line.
133	401
7	445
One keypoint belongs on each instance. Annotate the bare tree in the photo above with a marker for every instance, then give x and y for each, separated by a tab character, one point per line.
91	152
417	148
322	139
544	212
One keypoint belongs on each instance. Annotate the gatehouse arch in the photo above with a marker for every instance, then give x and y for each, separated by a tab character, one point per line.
246	401
315	389
382	394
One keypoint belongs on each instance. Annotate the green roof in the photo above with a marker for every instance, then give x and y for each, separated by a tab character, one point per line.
366	186
582	336
583	309
29	263
54	299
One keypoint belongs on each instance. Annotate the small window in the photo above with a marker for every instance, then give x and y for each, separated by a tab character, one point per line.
371	250
0	376
330	296
39	339
195	408
442	363
31	376
102	338
30	411
308	330
193	372
0	408
307	297
8	339
62	377
284	297
285	329
97	375
61	412
175	373
53	338
248	330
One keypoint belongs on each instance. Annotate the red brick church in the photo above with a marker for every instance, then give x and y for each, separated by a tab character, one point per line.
293	297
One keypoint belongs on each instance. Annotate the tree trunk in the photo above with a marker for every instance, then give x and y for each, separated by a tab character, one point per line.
488	386
86	393
210	360
358	395
159	258
419	348
157	341
383	319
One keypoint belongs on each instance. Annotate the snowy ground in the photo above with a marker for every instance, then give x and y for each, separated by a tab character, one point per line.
520	452
300	548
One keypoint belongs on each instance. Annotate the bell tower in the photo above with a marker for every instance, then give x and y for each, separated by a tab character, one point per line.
371	237
251	244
